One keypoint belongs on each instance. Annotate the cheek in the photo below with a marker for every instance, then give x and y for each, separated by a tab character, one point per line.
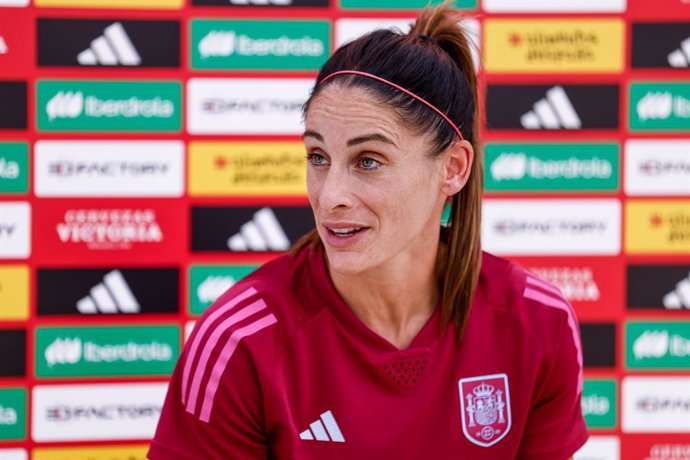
313	188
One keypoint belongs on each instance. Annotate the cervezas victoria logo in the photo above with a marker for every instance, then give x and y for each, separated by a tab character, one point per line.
576	283
485	408
109	229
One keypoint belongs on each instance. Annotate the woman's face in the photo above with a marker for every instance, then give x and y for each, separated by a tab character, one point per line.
376	193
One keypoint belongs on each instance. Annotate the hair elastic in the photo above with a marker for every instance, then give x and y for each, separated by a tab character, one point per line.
399	88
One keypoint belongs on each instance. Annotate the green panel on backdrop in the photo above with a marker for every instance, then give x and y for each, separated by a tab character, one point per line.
551	167
14	167
599	403
106	351
657	345
208	282
401	4
259	45
78	105
659	106
12	414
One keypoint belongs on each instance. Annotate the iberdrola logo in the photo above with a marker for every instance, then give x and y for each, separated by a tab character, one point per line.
65	104
68	104
225	43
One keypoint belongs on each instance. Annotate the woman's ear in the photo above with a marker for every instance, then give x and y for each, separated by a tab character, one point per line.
456	167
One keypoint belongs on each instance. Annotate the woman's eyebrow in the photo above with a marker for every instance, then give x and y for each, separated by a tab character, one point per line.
312	133
354	141
370	137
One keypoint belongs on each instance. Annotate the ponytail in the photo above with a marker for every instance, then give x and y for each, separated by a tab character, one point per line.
460	263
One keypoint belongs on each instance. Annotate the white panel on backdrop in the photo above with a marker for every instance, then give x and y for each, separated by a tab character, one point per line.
543	226
13	454
14	2
15	230
554	6
600	448
109	168
246	106
97	412
655	404
347	30
657	167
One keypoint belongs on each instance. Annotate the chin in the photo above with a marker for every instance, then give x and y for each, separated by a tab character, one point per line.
346	263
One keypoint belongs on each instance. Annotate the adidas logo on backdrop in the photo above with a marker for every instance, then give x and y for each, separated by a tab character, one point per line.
249	228
262	233
325	428
680	297
114	47
681	56
113	42
113	295
552	106
112	291
555	111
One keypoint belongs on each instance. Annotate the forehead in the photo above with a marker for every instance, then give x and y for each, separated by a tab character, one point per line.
353	110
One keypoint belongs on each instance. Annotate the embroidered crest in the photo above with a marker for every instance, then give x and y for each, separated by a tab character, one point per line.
485	408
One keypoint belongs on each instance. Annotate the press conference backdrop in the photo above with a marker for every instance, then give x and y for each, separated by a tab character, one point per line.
150	157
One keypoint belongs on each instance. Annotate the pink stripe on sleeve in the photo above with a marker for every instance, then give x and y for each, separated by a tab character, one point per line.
224	357
232	303
561	305
543	284
211	344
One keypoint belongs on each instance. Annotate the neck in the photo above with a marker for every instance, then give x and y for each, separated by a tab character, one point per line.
395	300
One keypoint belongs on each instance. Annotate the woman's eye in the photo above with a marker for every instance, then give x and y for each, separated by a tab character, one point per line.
316	159
369	163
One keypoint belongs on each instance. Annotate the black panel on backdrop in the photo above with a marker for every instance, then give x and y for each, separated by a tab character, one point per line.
661	45
598	344
111	42
663	287
13	358
258	3
249	229
554	107
13	103
107	291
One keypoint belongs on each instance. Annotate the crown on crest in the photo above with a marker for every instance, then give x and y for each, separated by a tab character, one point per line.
483	390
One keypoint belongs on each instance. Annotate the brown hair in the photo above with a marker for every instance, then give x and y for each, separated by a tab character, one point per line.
433	61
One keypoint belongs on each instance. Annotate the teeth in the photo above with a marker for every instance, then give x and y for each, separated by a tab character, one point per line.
343	231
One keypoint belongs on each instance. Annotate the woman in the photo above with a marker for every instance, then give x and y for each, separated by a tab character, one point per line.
379	336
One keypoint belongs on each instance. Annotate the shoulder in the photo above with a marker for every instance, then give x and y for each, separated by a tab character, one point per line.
255	316
509	289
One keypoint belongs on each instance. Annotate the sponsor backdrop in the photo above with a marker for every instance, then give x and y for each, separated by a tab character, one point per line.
150	157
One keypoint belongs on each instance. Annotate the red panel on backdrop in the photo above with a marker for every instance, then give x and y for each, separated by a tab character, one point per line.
108	231
594	286
655	447
16	42
646	9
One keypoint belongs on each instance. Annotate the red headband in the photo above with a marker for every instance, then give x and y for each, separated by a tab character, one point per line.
399	88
